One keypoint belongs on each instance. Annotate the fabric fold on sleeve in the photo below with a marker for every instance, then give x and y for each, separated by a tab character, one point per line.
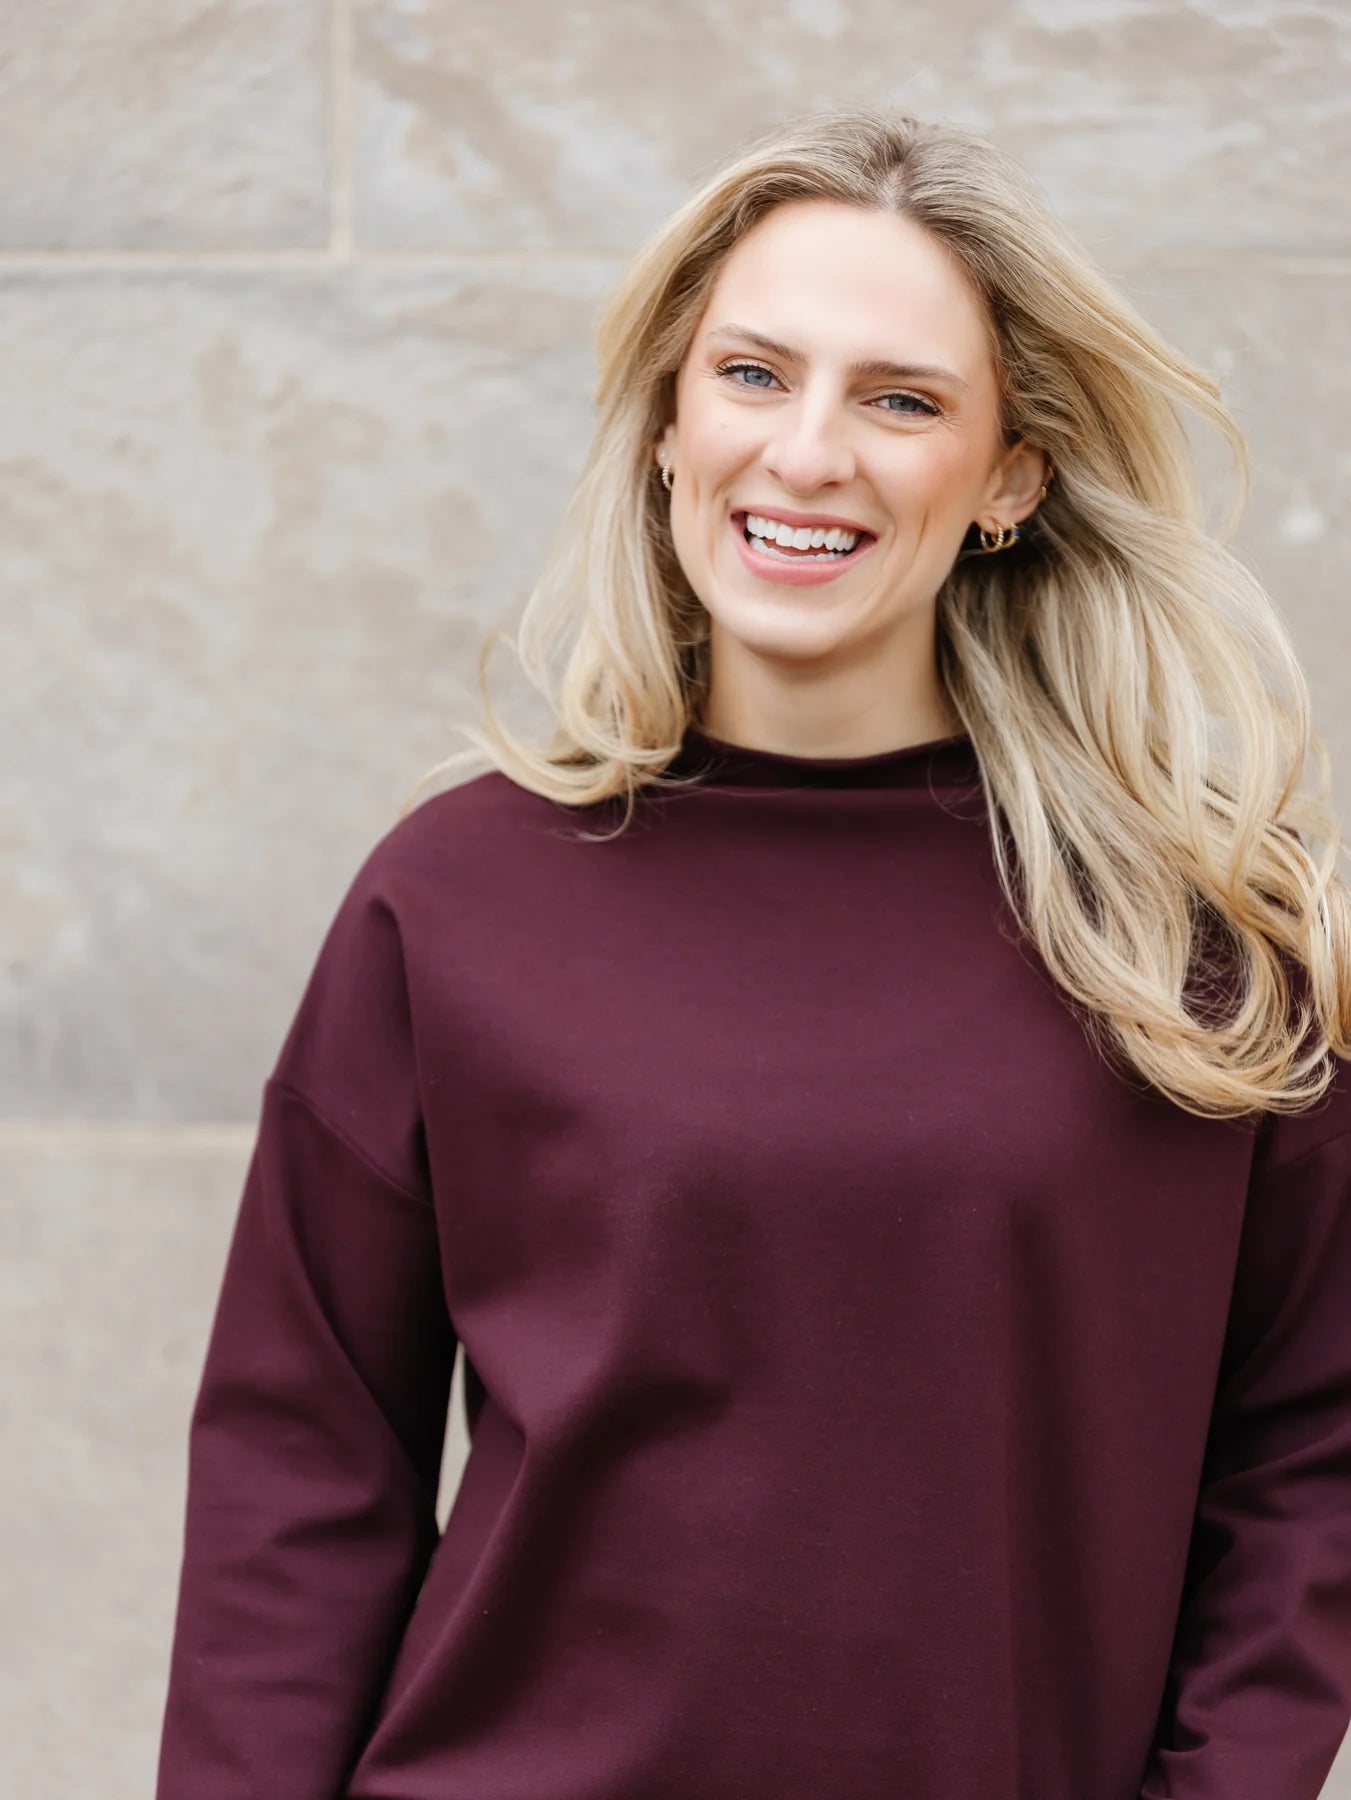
1258	1694
314	1453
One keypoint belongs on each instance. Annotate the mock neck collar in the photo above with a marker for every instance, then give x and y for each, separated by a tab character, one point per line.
717	761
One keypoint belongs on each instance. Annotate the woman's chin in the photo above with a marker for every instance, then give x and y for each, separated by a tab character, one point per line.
780	624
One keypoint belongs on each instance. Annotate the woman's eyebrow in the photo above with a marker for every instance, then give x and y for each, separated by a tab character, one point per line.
874	367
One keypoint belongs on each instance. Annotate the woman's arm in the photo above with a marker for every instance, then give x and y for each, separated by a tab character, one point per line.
317	1432
1258	1695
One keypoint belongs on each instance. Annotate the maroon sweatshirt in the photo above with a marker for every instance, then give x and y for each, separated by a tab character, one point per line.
872	1392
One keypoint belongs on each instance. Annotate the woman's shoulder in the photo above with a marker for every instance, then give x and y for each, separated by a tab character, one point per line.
461	826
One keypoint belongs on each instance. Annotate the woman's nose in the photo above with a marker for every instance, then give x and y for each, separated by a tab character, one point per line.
810	453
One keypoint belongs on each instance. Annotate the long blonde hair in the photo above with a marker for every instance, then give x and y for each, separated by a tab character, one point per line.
1137	708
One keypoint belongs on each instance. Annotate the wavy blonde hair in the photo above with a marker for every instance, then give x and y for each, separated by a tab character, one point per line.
1136	705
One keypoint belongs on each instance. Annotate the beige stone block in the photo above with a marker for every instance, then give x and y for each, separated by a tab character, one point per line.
164	124
112	1246
255	527
111	1243
477	125
1275	339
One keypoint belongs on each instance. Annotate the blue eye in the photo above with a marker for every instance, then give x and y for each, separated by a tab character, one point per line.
925	408
750	368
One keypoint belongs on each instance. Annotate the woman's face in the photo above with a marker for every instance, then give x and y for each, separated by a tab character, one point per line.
772	420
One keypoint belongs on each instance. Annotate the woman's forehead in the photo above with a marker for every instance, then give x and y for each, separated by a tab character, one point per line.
850	286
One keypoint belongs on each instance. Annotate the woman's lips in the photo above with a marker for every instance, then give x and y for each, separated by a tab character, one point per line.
791	572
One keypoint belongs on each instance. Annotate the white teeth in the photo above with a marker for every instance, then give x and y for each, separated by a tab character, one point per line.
802	537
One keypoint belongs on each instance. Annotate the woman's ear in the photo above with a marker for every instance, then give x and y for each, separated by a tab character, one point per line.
1016	482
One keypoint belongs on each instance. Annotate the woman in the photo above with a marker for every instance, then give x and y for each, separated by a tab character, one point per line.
869	1099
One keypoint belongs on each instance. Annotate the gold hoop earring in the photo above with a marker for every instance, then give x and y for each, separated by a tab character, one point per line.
667	477
998	539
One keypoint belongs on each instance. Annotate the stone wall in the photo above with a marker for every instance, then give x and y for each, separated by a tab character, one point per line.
296	304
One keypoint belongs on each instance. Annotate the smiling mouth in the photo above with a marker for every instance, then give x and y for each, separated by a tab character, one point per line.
817	554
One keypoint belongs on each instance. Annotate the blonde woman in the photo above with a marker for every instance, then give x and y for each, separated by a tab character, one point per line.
869	1099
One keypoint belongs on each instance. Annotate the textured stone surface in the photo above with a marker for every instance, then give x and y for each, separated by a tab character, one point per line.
112	1244
1277	342
255	528
480	125
164	123
110	1247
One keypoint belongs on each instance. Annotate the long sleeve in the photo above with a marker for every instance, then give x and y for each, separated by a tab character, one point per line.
1258	1695
317	1431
